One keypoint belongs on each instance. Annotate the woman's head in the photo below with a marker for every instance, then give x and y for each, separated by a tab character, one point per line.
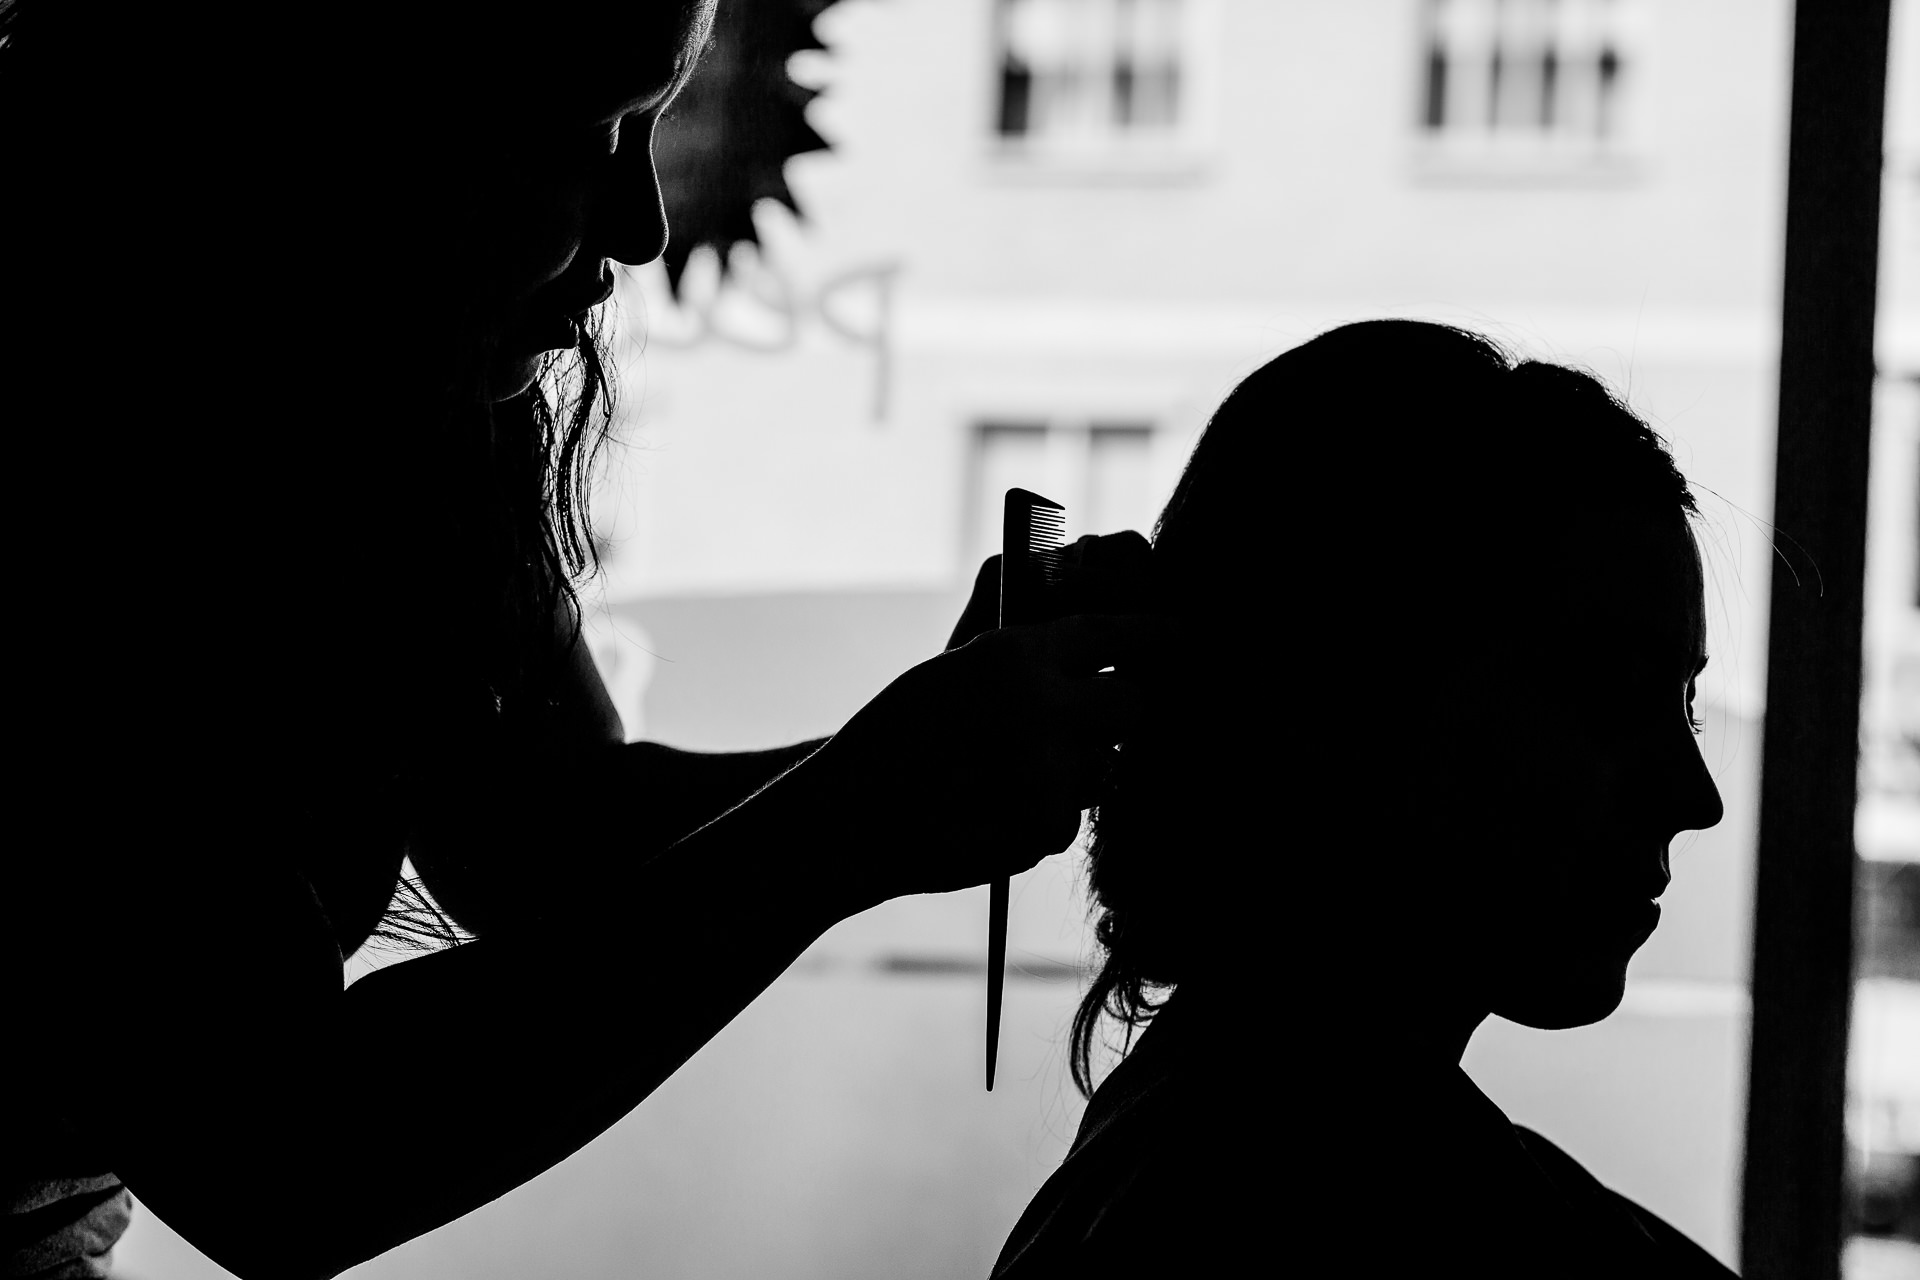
1440	614
536	169
434	157
321	264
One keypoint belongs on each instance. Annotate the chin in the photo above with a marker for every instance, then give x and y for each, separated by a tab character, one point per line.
511	376
1559	998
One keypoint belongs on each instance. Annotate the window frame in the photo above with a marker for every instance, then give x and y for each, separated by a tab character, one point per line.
1186	152
1448	155
1067	443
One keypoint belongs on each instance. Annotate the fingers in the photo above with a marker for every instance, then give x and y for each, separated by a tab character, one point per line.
1062	829
1085	643
982	613
1102	710
1107	573
1049	831
1041	834
1086	784
1122	552
987	582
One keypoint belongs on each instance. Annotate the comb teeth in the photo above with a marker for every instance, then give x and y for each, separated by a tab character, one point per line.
1047	527
1046	541
1034	542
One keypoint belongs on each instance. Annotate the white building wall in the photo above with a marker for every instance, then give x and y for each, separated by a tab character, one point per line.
1078	290
1074	291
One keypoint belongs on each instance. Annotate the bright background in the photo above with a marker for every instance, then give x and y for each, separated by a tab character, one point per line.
1042	278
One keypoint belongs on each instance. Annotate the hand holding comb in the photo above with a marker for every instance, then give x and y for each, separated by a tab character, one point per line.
1033	536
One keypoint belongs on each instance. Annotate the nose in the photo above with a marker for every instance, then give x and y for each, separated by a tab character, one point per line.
1693	801
629	220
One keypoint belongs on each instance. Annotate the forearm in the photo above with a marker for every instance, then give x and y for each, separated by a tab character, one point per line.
521	1050
670	793
580	1027
597	813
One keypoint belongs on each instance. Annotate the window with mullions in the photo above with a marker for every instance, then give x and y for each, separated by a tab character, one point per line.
1100	471
1539	80
1088	72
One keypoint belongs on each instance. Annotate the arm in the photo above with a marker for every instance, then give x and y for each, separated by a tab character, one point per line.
275	1126
290	1129
627	802
469	849
678	792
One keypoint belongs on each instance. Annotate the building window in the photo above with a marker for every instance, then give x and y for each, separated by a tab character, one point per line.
1102	472
1075	78
1119	491
1539	82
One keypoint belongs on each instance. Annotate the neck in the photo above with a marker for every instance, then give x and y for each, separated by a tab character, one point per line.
1441	1035
1387	1020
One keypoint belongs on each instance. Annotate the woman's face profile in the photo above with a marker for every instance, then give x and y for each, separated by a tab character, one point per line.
1603	770
562	180
597	198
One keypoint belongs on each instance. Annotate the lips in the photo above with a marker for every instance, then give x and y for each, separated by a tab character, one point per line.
1641	879
546	321
1632	902
580	299
1641	915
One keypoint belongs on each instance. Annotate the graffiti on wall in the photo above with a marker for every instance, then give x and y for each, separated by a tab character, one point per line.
763	310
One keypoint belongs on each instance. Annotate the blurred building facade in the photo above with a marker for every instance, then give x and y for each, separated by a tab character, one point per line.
1049	238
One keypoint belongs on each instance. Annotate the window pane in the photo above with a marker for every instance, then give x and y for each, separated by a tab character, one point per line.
1524	69
1006	456
1088	72
1118	496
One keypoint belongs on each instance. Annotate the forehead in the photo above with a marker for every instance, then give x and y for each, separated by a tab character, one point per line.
575	60
1631	586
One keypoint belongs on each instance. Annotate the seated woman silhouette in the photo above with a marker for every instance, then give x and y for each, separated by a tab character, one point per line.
302	384
1415	756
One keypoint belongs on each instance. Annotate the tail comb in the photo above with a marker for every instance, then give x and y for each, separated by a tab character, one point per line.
1033	537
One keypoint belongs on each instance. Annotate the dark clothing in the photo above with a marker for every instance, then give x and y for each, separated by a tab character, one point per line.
62	1218
64	1213
1671	1253
1165	1179
64	1228
1130	1197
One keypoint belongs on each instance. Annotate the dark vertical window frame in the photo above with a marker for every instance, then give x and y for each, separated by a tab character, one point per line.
1126	70
1608	89
1549	86
1013	81
1434	109
1793	1179
1496	83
